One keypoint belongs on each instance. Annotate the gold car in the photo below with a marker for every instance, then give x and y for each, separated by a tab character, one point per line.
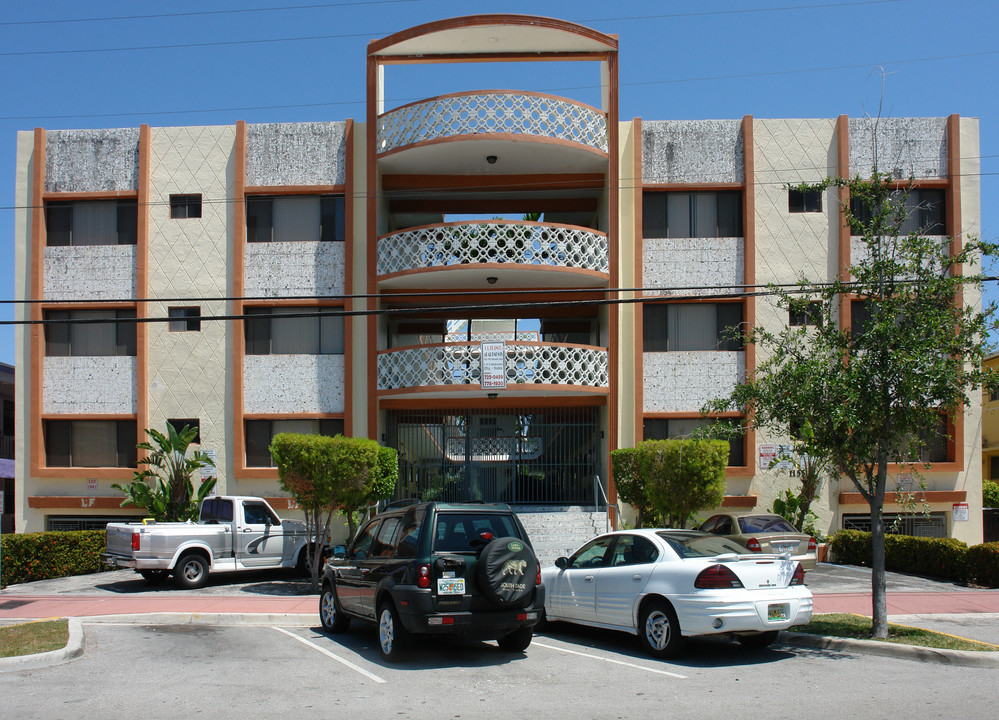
765	533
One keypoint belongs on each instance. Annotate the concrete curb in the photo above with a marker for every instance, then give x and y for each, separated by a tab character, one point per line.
74	649
963	658
223	619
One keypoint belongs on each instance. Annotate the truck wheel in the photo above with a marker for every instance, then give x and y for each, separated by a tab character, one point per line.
393	638
330	613
153	577
191	572
517	641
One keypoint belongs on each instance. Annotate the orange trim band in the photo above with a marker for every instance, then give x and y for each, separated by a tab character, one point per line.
891	498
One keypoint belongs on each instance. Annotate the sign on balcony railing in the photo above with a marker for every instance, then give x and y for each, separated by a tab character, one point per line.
508	113
493	362
493	242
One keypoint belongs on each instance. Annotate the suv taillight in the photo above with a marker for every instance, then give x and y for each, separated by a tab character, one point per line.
537	580
423	576
717	577
753	545
812	545
799	576
135	541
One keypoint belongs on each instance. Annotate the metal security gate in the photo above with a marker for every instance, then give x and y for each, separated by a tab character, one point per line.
546	456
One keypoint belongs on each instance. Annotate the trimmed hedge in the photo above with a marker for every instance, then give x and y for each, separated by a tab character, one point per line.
945	558
41	556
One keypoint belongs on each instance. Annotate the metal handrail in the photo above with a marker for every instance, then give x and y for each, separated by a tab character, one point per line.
597	485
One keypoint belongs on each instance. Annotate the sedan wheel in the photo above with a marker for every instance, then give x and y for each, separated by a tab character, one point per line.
660	630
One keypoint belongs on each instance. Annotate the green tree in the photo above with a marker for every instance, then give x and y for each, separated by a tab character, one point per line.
990	494
326	475
165	488
671	480
874	394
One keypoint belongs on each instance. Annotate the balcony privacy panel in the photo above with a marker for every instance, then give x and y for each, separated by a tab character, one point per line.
530	456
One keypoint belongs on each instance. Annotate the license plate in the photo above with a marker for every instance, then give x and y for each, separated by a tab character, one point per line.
778	612
784	547
451	586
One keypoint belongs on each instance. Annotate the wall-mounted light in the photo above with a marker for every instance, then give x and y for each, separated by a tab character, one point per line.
491	159
492	280
492	396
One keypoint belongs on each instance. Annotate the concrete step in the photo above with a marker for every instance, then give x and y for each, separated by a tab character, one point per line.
557	532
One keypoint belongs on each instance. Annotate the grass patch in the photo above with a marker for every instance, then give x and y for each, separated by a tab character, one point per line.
858	627
33	637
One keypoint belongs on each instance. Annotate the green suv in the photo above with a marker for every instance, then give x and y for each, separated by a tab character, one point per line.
436	568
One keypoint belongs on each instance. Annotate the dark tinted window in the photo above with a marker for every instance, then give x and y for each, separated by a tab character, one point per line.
216	509
384	544
458	532
765	523
801	201
361	547
633	550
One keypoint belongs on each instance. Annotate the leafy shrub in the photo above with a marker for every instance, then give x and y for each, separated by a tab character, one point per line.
990	494
41	556
945	558
981	563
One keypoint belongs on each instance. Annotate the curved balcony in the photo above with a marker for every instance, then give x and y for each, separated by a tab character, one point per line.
496	123
448	369
569	255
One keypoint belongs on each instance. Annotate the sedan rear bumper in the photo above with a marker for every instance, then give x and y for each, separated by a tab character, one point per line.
742	611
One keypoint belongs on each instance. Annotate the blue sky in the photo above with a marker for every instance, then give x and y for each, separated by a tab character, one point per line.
211	62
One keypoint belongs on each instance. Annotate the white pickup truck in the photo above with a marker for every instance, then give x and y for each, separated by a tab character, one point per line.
233	533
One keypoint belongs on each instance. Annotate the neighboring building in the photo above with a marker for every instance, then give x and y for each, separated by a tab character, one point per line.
7	500
365	283
990	426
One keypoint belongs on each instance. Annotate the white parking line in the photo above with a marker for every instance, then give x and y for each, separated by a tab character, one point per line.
327	653
609	660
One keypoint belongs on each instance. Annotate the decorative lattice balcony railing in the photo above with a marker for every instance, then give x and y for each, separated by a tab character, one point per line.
516	113
516	242
526	363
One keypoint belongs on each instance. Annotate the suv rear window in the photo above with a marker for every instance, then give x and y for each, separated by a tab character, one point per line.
456	531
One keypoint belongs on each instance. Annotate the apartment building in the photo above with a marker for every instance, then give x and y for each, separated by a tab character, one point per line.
466	278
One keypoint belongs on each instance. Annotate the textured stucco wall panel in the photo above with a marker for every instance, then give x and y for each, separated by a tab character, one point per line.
89	385
293	383
685	263
313	153
92	160
685	381
907	147
189	258
675	151
95	272
294	269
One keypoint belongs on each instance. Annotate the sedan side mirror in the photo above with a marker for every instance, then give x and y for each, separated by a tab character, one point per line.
562	563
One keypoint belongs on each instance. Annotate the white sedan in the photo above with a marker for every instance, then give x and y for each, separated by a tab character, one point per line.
665	585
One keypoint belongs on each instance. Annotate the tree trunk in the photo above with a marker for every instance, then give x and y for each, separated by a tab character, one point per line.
879	595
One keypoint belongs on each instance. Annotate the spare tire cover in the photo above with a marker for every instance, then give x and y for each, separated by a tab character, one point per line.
507	571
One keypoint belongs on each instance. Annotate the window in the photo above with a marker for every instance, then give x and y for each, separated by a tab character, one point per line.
185	319
318	332
180	423
808	314
804	201
384	545
691	326
692	215
993	396
994	467
592	553
217	509
185	206
926	212
90	443
97	222
860	317
89	333
256	513
295	218
567	330
666	428
260	432
633	550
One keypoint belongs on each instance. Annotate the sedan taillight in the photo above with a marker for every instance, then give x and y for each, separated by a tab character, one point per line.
812	545
423	576
799	576
136	538
753	545
717	577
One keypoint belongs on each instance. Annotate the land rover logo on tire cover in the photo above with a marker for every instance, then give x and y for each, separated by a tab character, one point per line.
506	571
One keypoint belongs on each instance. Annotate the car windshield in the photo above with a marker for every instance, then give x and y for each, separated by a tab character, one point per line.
765	523
698	545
